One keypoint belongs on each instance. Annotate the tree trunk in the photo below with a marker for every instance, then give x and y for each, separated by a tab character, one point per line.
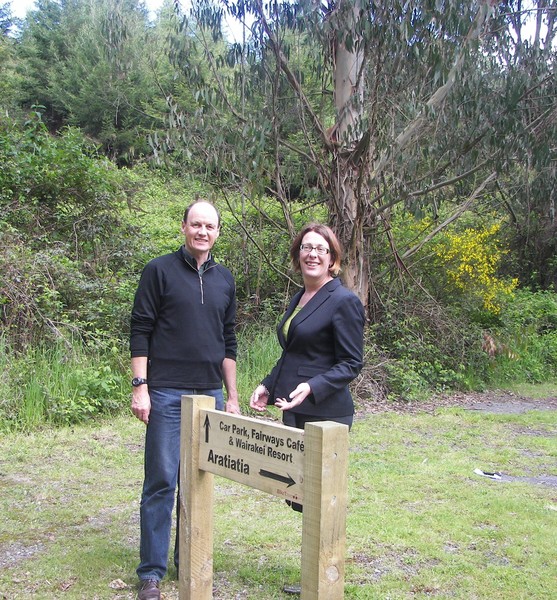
348	188
349	225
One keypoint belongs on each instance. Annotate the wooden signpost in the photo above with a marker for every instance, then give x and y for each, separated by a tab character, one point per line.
306	466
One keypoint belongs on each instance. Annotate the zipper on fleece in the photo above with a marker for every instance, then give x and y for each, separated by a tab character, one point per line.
200	275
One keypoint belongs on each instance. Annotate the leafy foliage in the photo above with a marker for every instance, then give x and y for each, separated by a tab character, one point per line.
423	347
63	235
447	127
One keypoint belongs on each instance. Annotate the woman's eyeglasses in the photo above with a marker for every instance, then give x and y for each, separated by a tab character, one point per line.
307	248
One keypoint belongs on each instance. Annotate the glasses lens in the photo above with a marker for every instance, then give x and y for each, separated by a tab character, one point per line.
319	249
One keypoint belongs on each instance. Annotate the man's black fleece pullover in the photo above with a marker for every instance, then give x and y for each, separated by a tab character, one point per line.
183	320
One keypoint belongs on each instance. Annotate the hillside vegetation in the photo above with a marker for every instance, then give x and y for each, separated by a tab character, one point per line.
437	174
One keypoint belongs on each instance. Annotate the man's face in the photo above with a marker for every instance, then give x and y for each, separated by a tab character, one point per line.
201	229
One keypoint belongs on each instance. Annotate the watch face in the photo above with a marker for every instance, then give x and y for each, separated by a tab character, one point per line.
136	381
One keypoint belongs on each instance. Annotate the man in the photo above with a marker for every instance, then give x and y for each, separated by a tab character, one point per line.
182	342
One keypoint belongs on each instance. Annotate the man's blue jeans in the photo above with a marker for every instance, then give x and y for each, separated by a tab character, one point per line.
162	462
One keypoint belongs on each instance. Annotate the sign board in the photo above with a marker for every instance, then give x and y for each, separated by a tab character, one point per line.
286	462
266	456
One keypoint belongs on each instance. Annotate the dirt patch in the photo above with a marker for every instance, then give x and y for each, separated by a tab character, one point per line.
12	554
513	406
500	402
550	480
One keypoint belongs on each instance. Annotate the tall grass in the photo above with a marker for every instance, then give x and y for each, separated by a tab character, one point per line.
58	385
32	411
66	384
258	351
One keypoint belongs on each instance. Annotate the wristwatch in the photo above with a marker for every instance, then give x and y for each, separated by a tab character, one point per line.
137	381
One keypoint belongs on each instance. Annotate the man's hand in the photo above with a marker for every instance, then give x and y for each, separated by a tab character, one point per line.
232	406
141	403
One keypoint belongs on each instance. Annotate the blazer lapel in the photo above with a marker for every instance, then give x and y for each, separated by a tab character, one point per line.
322	296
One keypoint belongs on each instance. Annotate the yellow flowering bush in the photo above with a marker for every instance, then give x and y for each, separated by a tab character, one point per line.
471	259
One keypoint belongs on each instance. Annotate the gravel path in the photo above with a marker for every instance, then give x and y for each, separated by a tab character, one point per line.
501	402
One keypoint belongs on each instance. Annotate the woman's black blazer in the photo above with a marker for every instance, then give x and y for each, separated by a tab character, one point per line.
324	348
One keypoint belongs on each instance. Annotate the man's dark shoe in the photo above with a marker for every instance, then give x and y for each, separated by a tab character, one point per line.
149	590
292	589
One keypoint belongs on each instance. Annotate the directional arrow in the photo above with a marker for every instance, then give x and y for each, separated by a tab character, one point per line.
277	477
207	426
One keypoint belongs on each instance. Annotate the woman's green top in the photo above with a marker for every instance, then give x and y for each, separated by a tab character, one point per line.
286	325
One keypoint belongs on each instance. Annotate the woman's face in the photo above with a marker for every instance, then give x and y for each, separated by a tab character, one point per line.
314	265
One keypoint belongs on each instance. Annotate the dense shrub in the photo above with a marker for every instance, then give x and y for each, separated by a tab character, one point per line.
64	236
426	347
524	340
471	259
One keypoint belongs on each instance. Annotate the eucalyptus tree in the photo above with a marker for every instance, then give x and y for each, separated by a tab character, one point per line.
525	48
376	105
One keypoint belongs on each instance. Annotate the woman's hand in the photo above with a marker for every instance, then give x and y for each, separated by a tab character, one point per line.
260	398
296	397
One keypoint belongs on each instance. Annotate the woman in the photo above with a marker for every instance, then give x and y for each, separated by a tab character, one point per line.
321	335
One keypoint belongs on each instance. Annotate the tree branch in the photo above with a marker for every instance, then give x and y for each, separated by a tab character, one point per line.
459	211
256	244
292	78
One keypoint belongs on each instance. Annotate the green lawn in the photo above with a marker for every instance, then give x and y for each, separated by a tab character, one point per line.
420	523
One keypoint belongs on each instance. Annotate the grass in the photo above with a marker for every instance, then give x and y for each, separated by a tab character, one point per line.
258	351
420	523
542	390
